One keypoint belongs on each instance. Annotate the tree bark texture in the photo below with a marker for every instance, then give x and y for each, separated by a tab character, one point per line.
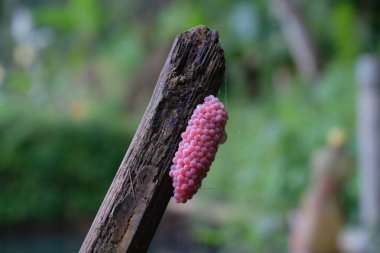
138	196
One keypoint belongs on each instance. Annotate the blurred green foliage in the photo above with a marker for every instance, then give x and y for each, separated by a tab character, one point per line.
266	175
54	169
64	126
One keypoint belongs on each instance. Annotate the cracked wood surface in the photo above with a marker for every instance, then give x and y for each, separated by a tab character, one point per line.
137	198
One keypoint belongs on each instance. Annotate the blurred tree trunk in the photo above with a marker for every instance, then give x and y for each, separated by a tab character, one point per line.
251	74
139	91
6	11
369	12
298	37
141	88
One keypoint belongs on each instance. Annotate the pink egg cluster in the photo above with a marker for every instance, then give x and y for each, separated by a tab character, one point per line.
196	152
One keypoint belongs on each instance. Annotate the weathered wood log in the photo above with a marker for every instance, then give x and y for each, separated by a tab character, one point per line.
141	189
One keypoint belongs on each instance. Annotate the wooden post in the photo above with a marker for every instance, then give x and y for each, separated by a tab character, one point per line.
368	78
141	189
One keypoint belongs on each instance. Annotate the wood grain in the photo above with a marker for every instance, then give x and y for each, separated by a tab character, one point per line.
141	189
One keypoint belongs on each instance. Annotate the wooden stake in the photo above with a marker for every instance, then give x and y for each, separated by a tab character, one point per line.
138	196
368	78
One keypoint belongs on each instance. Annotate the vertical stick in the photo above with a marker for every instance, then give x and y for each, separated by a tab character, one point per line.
141	189
368	78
